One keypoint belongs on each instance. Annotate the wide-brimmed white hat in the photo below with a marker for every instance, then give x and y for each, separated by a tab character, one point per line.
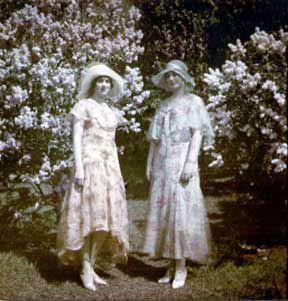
178	67
96	70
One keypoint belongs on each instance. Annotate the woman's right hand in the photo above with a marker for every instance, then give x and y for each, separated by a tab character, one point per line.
148	172
79	177
150	161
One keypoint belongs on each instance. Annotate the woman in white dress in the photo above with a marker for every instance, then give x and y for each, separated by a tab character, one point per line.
94	211
177	227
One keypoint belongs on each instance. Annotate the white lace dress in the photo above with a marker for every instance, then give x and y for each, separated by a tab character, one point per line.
101	205
177	225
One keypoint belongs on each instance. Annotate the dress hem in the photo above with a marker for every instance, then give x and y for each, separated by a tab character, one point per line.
155	256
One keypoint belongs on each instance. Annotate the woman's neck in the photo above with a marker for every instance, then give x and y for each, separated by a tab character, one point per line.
98	98
178	93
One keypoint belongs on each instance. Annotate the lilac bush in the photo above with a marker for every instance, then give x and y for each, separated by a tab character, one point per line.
44	47
247	101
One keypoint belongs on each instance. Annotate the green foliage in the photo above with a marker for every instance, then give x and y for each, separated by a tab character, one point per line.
198	32
246	98
175	29
26	209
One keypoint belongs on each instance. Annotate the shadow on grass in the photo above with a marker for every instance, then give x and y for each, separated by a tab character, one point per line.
234	223
253	223
37	251
49	268
138	267
242	227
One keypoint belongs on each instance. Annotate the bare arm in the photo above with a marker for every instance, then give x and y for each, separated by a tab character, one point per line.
77	150
150	160
190	168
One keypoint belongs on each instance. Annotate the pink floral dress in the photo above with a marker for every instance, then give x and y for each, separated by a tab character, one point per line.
101	205
177	225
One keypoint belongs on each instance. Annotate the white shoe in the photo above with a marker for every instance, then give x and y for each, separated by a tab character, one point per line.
98	280
180	278
87	276
167	277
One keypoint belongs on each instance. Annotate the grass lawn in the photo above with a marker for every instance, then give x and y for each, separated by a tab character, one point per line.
248	262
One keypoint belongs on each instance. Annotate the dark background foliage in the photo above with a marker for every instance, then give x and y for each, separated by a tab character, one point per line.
198	32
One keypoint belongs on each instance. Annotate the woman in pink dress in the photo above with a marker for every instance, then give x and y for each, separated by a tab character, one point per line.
177	226
94	212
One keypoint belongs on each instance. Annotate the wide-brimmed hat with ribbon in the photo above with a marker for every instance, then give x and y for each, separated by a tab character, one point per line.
96	70
178	67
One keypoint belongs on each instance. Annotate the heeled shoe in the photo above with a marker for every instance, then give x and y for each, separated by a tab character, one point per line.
180	278
97	279
87	277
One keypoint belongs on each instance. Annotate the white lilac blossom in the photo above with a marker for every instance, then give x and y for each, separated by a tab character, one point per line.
18	96
17	215
50	42
11	142
238	48
267	42
214	78
3	145
246	99
134	79
218	160
49	121
27	118
250	81
280	98
270	85
234	70
25	159
279	164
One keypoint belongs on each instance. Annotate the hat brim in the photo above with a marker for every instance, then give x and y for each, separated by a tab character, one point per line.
159	79
99	70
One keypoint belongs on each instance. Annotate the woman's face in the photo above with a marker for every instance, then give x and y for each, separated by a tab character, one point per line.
174	82
103	85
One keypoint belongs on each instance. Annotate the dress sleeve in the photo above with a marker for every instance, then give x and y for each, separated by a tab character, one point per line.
202	121
154	132
78	111
121	120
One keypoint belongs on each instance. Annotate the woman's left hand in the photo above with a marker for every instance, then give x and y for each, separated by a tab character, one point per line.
190	170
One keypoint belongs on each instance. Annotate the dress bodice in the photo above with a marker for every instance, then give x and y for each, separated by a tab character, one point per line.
178	118
99	125
100	121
